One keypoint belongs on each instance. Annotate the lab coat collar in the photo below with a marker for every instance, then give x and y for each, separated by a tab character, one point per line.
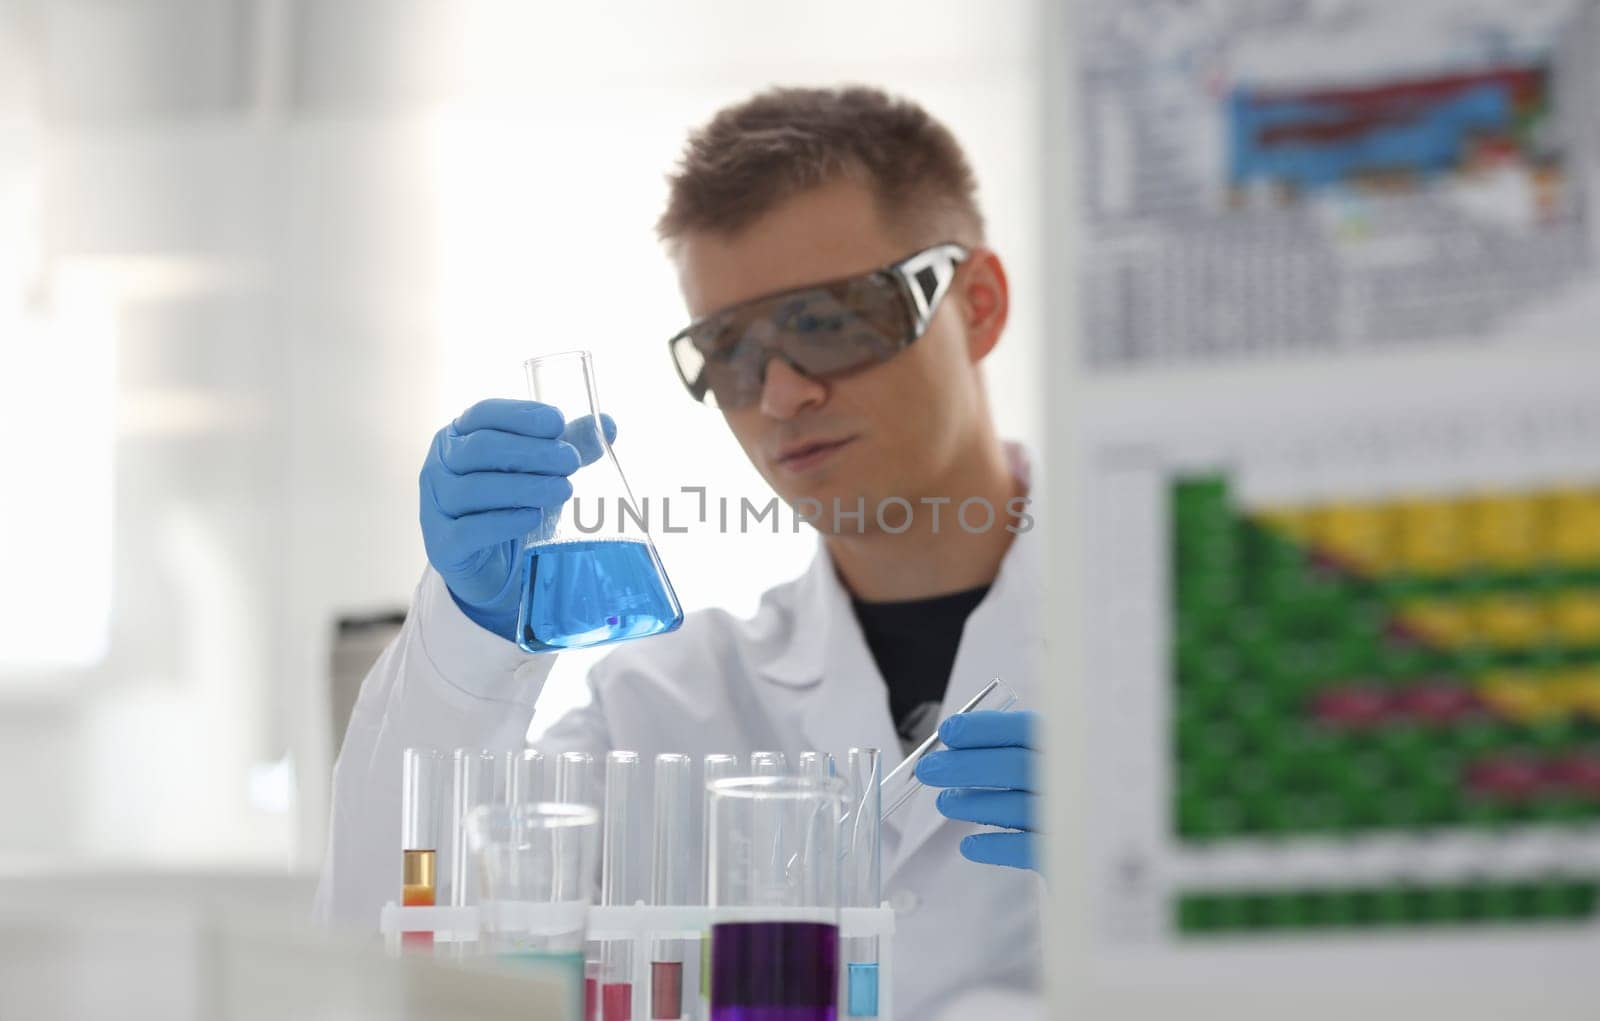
819	603
827	671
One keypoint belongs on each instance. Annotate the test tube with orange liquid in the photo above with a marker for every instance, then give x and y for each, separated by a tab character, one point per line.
421	770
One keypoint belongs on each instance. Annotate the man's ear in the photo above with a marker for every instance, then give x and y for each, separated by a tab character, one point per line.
985	300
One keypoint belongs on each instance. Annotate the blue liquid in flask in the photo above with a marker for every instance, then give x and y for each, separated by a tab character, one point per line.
590	592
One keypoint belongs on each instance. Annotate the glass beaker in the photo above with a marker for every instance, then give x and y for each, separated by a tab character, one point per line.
775	897
590	574
536	873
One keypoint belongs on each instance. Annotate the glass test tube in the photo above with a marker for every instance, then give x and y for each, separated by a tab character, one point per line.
815	764
617	886
574	779
419	836
716	767
472	783
671	880
535	864
902	782
522	780
818	766
575	786
863	875
779	957
767	829
768	764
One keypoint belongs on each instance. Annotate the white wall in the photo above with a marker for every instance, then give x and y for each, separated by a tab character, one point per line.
322	247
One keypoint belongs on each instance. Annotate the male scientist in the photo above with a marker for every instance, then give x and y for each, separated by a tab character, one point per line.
842	300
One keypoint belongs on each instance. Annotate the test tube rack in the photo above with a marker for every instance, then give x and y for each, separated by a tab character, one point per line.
644	924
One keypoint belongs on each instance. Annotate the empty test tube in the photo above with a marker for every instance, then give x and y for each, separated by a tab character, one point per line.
472	783
419	836
671	880
816	765
768	764
574	779
862	876
716	767
617	886
523	778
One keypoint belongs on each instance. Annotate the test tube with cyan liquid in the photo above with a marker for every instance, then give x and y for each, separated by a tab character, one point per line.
420	772
862	875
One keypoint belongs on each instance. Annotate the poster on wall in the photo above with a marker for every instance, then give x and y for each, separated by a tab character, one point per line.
1340	270
1269	177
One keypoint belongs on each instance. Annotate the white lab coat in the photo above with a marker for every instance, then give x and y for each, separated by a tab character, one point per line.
796	676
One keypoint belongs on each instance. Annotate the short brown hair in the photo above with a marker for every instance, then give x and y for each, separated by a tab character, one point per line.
753	156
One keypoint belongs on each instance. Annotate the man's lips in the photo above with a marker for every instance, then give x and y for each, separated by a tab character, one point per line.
810	453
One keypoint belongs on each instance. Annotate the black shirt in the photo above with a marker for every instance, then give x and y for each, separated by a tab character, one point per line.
914	644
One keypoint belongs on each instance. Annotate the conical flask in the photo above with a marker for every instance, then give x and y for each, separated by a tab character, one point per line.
590	574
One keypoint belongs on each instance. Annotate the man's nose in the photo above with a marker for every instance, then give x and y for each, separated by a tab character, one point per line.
787	391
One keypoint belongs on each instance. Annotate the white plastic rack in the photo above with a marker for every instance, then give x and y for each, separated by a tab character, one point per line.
644	924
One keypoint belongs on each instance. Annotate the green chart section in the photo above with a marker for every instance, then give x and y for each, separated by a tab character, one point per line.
1373	907
1424	663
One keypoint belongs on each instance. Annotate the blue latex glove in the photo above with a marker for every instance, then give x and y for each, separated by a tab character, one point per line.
989	770
492	476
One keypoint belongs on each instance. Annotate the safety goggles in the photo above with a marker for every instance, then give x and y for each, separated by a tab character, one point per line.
825	330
